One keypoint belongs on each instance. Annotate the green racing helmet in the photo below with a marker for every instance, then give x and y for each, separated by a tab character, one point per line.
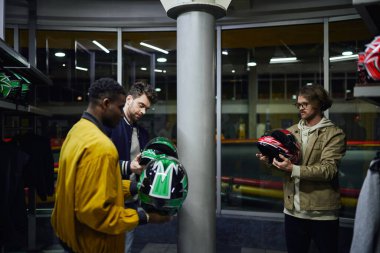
157	148
163	186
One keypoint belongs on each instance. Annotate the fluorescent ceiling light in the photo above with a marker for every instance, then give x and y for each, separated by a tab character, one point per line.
233	71
283	60
251	64
154	47
157	89
60	54
143	68
137	50
81	68
161	59
347	53
344	58
158	70
101	46
225	52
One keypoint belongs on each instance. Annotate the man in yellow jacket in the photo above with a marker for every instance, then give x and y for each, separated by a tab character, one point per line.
89	213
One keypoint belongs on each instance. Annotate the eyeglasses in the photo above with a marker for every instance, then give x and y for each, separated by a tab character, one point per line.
302	105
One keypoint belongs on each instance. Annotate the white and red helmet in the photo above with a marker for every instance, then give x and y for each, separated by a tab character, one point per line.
370	59
280	142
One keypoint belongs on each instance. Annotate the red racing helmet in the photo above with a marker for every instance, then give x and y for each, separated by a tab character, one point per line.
277	142
372	59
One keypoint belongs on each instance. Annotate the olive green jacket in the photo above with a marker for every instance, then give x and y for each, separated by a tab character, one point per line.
319	184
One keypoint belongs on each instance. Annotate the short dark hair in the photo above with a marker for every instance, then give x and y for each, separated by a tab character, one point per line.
105	87
140	88
317	96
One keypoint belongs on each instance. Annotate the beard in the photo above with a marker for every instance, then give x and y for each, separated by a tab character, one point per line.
131	116
309	116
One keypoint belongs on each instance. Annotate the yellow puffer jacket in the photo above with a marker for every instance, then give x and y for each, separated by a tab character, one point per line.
89	213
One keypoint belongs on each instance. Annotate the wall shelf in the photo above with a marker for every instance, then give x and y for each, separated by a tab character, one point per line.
10	59
370	93
22	108
13	61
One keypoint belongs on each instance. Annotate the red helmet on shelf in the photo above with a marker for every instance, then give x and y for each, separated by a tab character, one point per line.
372	59
278	142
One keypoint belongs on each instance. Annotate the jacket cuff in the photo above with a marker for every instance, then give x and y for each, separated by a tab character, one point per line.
143	217
133	188
296	172
124	166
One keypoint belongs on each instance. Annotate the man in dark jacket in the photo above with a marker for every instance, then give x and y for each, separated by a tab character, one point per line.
130	138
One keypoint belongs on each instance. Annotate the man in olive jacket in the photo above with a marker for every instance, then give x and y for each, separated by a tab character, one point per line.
311	188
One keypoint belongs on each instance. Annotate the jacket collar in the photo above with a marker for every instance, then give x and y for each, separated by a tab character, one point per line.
90	117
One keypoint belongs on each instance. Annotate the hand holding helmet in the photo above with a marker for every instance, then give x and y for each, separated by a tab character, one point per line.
135	165
157	218
285	164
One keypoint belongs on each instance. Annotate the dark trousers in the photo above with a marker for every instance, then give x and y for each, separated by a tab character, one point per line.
300	232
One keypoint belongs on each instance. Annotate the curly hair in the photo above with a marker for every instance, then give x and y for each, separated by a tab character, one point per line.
140	88
105	87
317	96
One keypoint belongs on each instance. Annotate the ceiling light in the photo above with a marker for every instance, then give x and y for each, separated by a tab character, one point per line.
157	89
164	71
137	50
143	68
161	59
233	71
283	60
60	54
154	47
81	68
101	46
344	58
225	52
347	53
251	64
158	70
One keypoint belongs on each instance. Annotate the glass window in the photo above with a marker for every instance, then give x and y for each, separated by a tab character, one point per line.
152	57
24	43
8	38
73	60
292	87
358	118
271	63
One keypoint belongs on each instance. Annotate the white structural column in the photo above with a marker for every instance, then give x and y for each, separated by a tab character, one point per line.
196	120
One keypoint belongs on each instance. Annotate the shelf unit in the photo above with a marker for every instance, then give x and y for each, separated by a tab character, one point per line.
13	61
